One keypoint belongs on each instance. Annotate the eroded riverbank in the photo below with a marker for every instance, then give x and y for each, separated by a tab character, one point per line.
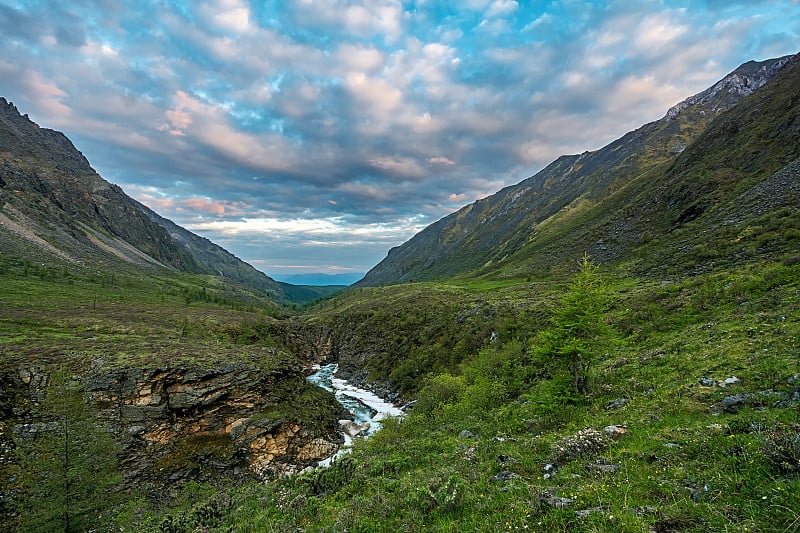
367	408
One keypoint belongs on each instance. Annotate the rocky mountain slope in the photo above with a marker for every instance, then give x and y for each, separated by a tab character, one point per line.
53	203
639	187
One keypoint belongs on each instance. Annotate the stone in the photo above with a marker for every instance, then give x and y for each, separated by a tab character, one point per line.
316	450
643	510
586	513
31	431
408	406
733	403
617	403
352	429
601	468
733	380
615	431
504	475
467	434
554	501
707	382
25	375
698	494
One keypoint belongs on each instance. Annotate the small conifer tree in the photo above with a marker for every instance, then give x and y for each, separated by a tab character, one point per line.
68	469
578	330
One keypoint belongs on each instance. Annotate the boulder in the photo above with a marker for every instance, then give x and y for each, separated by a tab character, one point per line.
550	499
617	403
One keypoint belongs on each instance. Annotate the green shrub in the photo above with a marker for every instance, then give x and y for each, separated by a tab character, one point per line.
438	391
781	447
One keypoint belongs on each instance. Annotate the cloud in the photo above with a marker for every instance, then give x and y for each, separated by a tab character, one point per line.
440	160
501	8
208	206
457	198
43	93
362	19
229	15
398	167
355	113
658	33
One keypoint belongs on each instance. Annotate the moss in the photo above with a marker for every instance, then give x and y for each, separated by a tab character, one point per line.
191	452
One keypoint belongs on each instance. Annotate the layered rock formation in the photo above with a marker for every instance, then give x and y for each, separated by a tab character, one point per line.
197	422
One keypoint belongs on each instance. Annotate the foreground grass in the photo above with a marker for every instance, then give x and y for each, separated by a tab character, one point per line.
491	447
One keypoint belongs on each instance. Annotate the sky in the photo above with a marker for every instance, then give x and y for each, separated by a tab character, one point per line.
311	136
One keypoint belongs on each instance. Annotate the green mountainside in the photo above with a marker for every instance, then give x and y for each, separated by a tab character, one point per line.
610	345
54	205
606	202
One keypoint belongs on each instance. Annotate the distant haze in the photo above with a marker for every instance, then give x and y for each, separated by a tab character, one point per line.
320	279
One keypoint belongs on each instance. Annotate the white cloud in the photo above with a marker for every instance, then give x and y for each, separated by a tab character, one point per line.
658	33
334	230
501	8
542	20
377	96
398	167
365	19
359	57
209	125
229	15
440	160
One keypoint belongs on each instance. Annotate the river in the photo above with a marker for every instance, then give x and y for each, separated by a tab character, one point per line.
367	408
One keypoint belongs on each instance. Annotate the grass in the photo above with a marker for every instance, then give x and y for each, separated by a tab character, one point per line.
683	463
126	319
94	322
466	350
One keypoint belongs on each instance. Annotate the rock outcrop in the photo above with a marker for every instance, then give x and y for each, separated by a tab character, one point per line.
189	421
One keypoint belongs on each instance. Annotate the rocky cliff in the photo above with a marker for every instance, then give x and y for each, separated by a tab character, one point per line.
186	421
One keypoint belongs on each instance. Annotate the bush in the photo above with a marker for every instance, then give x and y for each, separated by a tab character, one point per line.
584	443
438	391
781	447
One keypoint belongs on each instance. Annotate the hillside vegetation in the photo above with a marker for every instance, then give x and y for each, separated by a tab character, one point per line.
666	398
689	420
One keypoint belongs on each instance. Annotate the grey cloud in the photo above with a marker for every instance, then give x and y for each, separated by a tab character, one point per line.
332	125
15	23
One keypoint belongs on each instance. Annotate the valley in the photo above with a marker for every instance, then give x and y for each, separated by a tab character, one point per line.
610	345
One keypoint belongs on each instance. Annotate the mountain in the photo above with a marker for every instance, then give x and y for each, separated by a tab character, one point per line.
54	204
608	202
304	294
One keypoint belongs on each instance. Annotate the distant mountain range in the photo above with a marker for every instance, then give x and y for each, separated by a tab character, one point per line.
627	201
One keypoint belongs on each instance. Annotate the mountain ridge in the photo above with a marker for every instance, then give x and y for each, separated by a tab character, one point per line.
53	202
490	230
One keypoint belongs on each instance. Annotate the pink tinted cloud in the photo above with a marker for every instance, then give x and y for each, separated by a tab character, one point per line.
206	205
